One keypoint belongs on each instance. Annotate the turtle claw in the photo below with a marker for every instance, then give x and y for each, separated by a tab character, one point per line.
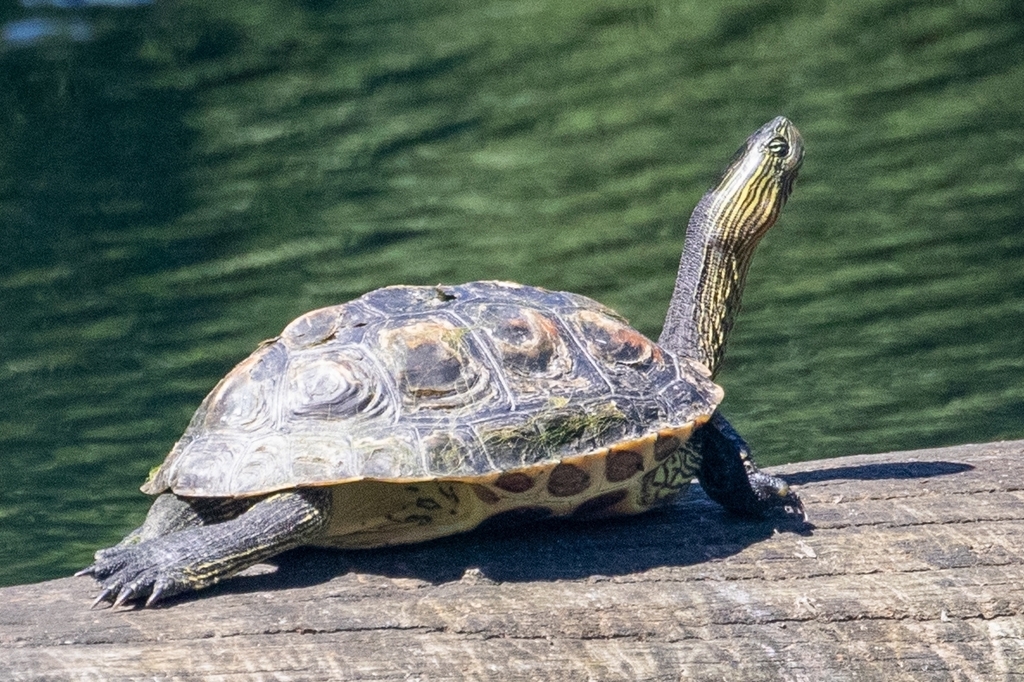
126	593
104	596
160	589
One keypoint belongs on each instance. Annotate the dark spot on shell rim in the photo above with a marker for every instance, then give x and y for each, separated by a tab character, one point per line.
485	494
567	480
621	465
514	482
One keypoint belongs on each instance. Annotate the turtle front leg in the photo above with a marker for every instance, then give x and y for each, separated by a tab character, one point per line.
198	556
730	477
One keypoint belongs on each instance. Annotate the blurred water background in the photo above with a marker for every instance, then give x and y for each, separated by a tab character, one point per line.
178	180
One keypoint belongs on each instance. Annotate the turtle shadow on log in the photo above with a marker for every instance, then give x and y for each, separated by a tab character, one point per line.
690	531
877	472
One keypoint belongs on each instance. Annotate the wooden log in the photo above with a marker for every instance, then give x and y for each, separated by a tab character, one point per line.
912	569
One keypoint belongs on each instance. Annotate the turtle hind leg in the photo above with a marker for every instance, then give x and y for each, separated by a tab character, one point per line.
170	513
730	477
200	555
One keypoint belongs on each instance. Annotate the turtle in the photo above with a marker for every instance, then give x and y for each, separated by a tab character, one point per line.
416	412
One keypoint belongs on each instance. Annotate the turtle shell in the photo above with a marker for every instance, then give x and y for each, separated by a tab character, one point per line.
437	383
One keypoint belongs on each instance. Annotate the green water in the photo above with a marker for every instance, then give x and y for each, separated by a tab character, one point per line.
178	181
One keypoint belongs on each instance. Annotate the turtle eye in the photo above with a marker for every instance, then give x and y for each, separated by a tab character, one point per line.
778	146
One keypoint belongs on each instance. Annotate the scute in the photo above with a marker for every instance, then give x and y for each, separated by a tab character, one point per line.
427	382
434	364
332	385
529	343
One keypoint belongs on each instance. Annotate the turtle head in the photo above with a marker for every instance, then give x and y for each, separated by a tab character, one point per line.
749	197
723	231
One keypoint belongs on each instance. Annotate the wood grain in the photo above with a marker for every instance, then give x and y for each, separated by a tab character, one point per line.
912	569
